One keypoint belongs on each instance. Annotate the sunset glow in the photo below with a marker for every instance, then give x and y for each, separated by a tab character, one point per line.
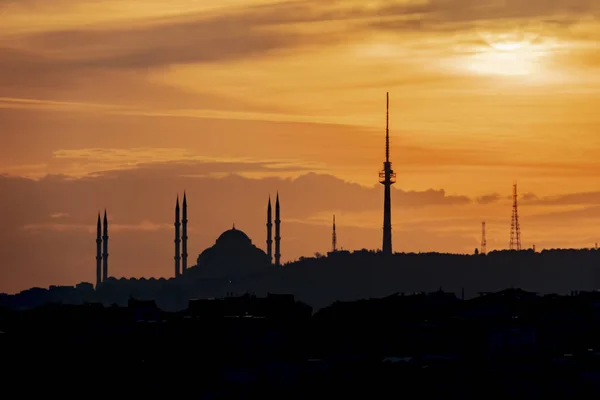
120	105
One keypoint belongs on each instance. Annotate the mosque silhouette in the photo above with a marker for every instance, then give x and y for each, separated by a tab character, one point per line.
232	256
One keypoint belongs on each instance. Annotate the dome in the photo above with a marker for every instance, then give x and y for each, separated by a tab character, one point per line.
233	237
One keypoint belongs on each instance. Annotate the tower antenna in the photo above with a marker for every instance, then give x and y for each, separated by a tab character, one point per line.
483	240
387	178
515	227
387	127
333	237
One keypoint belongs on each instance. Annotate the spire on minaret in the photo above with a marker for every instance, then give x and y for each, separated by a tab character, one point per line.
269	232
184	236
333	237
177	239
98	252
105	249
387	178
277	233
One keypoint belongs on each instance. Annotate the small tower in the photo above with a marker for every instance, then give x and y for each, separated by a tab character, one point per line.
277	233
333	237
387	178
515	228
483	239
105	248
184	236
269	232
98	252
177	239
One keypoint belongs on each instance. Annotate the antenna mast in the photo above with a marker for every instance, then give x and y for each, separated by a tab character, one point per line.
333	237
387	127
387	178
515	228
483	240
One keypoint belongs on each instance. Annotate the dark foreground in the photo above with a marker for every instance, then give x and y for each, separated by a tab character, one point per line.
508	345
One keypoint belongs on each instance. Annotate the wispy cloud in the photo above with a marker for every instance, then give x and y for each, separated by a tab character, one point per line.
145	226
59	215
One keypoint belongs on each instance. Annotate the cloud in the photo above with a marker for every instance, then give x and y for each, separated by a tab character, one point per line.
529	196
59	215
145	226
166	162
587	198
171	41
489	198
252	32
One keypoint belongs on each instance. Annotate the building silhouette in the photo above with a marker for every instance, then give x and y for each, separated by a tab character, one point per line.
231	240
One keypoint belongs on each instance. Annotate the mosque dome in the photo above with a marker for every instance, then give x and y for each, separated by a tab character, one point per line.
232	256
233	237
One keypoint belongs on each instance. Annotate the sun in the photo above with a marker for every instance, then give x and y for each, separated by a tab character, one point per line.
509	60
513	52
514	39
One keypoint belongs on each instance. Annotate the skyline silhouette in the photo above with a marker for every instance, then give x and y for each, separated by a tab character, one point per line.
290	101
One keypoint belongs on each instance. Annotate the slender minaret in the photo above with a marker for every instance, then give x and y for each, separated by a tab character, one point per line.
333	237
277	233
184	237
269	232
105	249
177	239
387	178
99	253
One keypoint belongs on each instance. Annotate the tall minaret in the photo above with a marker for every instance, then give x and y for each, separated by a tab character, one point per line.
184	237
105	249
177	239
99	253
277	233
387	178
333	237
270	232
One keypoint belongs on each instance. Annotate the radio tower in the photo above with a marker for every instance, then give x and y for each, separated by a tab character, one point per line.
515	228
333	238
387	178
483	241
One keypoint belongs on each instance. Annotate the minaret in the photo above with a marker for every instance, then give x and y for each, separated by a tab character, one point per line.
177	239
270	232
277	233
387	178
184	237
99	253
105	249
333	238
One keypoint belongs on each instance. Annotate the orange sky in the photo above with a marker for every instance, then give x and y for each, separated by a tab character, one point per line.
108	103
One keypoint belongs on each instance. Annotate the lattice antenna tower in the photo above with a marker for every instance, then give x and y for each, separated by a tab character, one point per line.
483	240
515	228
334	237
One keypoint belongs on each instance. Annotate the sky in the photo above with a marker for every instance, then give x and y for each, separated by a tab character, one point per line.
118	105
